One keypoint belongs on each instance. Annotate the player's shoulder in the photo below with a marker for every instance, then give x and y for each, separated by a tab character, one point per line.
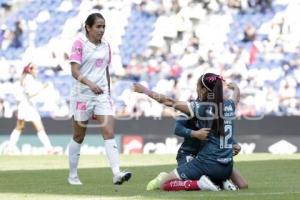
80	38
194	102
229	101
105	42
229	104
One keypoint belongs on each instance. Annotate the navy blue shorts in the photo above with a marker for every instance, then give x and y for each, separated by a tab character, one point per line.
183	158
194	169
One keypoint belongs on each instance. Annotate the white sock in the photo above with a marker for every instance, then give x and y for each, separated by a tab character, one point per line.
14	138
74	154
112	154
44	139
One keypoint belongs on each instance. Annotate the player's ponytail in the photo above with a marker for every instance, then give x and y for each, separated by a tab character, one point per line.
213	84
218	123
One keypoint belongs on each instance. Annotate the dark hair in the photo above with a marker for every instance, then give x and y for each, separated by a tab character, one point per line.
213	84
90	20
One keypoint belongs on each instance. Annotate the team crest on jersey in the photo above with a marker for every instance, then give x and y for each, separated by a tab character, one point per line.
228	108
209	111
78	50
99	62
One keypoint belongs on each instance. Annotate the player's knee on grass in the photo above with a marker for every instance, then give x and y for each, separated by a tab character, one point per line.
108	133
242	185
171	176
238	179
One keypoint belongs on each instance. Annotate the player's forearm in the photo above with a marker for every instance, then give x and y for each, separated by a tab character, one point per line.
160	98
80	77
181	130
168	101
33	94
236	92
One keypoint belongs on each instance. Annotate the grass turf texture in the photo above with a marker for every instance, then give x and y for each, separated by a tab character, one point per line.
270	177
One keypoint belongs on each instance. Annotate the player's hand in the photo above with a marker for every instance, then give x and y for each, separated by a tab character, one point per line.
139	88
232	85
201	134
236	149
95	88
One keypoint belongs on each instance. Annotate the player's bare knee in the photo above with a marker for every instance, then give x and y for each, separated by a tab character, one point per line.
20	128
243	185
78	138
108	133
161	186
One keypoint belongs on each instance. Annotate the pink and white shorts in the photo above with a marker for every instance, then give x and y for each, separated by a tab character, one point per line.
83	108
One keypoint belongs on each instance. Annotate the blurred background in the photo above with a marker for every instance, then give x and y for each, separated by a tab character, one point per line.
166	45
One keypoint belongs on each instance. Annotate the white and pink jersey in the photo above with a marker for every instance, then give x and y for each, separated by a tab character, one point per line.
26	109
30	88
93	60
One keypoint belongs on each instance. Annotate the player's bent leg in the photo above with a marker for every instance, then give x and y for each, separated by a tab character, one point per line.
171	176
155	183
238	179
43	137
173	182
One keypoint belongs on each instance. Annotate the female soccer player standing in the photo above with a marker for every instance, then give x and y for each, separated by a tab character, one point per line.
90	60
27	111
215	115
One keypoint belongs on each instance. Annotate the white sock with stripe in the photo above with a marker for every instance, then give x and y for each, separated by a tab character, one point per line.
112	154
74	154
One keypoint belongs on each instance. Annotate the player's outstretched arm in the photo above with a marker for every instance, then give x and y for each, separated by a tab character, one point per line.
30	95
236	92
160	98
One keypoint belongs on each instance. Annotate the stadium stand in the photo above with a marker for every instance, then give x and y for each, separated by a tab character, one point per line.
164	44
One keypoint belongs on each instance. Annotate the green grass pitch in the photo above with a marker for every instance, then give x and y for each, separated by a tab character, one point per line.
270	177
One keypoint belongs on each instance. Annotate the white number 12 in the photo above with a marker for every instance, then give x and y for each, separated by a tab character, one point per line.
224	140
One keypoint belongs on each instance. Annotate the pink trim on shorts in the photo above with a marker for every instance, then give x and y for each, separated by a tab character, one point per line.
81	106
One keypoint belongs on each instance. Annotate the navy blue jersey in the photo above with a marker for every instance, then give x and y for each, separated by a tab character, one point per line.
190	146
217	148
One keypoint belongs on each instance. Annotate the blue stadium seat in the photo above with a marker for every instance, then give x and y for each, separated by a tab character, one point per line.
298	91
137	34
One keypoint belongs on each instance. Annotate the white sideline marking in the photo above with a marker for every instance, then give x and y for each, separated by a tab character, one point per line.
256	194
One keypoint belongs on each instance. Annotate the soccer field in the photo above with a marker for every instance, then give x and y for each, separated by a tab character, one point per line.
44	177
